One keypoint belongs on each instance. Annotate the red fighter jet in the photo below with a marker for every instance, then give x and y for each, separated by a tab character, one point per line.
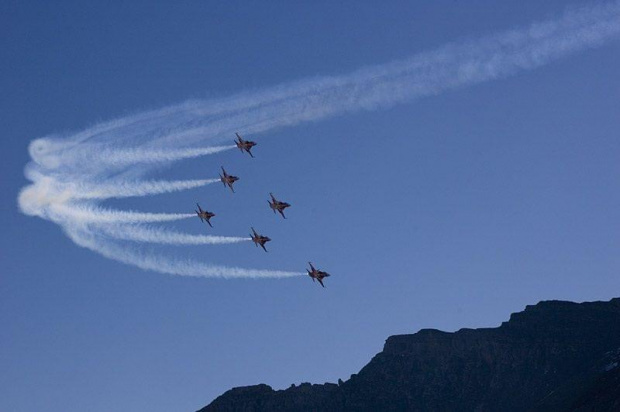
246	145
259	239
204	215
275	204
228	180
317	274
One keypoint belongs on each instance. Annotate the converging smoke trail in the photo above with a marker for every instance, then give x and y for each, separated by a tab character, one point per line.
132	189
135	156
87	214
155	235
166	265
71	174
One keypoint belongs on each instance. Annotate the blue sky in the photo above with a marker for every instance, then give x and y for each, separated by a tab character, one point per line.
451	211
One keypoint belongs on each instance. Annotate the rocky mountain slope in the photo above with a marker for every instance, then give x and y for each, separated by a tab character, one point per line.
553	356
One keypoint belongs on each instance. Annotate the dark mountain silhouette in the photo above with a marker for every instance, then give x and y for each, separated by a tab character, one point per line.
554	356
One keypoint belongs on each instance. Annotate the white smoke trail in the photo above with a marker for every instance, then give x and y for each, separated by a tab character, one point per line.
141	233
167	265
84	214
449	67
132	189
135	156
84	165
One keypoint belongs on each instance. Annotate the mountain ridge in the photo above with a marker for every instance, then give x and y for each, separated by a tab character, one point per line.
552	356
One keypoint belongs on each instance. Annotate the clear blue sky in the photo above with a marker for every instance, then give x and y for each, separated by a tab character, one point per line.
449	212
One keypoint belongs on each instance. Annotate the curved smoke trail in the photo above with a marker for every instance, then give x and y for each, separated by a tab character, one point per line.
122	188
70	174
148	234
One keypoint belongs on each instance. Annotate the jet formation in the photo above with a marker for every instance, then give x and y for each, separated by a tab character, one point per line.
275	205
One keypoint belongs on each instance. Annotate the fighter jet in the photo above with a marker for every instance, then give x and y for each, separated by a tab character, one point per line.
246	145
228	179
317	274
259	239
275	204
204	215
